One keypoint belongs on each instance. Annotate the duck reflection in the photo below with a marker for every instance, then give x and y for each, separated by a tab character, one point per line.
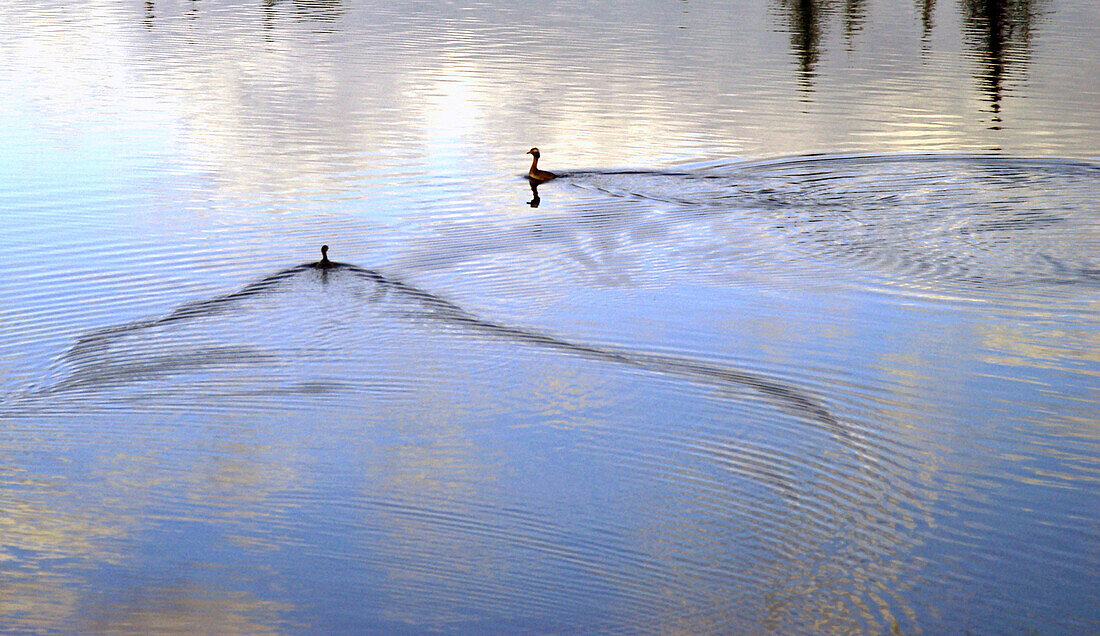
535	200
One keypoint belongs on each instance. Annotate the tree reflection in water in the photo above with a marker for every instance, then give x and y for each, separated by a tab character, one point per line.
998	34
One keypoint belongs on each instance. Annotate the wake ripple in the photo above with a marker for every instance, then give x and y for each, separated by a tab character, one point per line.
975	221
91	361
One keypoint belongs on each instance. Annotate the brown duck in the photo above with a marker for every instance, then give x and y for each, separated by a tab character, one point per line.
534	172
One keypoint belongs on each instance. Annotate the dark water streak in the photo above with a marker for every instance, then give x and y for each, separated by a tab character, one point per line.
436	308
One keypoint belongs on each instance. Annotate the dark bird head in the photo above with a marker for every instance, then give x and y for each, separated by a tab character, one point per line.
324	263
533	151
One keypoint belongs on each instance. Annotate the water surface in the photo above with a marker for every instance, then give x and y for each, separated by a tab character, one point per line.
803	340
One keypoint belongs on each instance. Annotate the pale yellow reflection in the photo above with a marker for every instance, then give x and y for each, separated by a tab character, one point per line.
96	522
186	610
35	601
1043	344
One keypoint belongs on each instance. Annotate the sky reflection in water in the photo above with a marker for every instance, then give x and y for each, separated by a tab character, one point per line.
731	389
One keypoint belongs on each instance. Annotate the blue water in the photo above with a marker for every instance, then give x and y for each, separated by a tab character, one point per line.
803	340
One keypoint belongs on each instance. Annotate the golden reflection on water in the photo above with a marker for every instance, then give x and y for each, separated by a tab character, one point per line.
34	601
1042	345
90	525
43	517
185	610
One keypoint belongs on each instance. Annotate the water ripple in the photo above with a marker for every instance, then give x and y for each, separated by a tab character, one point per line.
972	222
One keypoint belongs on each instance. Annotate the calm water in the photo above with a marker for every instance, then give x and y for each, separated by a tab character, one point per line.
806	339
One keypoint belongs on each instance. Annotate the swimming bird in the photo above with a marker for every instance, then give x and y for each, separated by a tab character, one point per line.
534	172
324	263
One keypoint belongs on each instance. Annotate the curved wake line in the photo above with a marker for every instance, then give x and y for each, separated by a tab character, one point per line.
669	365
977	223
440	309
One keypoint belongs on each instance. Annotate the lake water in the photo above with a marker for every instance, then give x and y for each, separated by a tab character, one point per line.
805	339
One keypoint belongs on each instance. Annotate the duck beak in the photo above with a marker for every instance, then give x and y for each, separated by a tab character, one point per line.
528	153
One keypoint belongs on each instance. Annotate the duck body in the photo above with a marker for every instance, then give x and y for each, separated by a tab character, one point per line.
324	263
534	173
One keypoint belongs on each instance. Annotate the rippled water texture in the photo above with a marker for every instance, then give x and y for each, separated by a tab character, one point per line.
734	388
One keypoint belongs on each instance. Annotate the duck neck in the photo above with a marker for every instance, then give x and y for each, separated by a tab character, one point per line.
534	163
